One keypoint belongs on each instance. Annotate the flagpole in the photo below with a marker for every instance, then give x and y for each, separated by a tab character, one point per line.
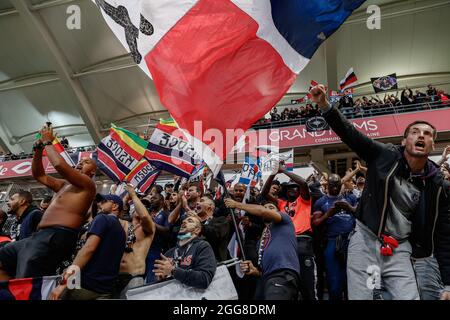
221	180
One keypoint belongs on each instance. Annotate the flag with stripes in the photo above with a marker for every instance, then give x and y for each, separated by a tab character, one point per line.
169	150
209	58
28	288
350	80
143	176
250	173
120	152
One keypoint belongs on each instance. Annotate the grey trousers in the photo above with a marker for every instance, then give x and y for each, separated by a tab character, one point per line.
368	270
429	278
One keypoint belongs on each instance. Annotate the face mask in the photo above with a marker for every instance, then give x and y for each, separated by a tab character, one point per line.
184	236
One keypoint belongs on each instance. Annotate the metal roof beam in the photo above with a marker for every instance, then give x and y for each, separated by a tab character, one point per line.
38	27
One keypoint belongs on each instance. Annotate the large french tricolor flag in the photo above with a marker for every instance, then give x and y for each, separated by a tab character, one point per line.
224	63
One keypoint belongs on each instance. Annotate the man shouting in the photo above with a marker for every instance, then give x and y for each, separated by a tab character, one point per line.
40	254
403	212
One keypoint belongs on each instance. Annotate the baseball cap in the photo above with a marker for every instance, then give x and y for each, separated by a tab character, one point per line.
111	197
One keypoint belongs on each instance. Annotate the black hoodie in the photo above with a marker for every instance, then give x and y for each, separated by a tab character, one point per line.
28	222
197	263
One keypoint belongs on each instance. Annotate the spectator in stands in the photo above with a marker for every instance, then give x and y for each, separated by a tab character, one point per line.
410	187
407	97
160	241
99	259
27	215
337	212
216	230
419	97
139	234
431	92
274	116
191	261
45	203
278	266
298	206
284	114
193	196
293	113
168	189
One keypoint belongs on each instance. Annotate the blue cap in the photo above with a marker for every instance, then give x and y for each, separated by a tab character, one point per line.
112	197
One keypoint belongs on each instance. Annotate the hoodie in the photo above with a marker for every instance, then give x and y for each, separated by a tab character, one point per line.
196	263
28	222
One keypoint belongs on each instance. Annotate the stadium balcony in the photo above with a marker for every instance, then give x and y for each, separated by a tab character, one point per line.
364	112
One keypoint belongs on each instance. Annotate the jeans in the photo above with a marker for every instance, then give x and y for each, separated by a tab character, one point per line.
429	278
368	271
335	272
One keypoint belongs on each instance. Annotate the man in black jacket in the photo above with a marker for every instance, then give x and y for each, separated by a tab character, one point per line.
402	213
192	261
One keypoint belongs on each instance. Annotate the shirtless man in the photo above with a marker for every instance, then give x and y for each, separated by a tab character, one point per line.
40	254
140	235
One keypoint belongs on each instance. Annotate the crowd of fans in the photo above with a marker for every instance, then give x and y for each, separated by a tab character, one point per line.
140	233
381	231
366	106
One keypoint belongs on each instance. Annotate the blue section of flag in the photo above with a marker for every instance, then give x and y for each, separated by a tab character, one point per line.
305	24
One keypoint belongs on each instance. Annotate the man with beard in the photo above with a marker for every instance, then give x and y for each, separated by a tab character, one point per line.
403	211
277	265
193	196
335	211
160	241
192	260
40	254
27	215
140	233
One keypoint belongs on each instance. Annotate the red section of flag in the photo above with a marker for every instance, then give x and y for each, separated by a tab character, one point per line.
222	74
21	288
349	80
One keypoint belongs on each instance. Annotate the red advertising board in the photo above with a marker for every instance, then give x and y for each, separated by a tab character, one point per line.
22	168
392	125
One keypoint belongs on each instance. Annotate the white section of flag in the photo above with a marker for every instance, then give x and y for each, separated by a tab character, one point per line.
261	12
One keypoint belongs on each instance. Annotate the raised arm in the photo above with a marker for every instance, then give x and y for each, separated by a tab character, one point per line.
146	220
304	189
366	148
255	210
38	172
445	155
266	188
64	169
182	204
